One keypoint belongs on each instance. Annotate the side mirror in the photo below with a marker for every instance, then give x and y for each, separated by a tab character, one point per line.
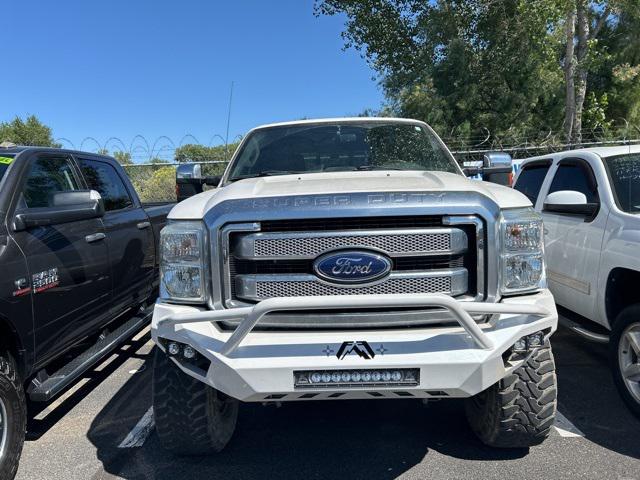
64	207
570	202
189	180
496	168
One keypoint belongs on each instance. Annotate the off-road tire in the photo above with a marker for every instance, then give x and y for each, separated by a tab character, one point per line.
519	410
13	398
625	318
191	418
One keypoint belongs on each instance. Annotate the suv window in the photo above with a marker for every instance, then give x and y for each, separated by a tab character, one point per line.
48	175
531	178
577	176
624	172
103	178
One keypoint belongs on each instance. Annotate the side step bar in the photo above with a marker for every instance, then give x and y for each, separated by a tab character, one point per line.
583	331
43	391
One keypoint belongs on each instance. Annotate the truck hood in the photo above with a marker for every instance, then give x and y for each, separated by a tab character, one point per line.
346	182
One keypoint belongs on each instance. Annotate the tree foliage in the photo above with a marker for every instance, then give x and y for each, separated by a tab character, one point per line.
27	132
466	66
201	153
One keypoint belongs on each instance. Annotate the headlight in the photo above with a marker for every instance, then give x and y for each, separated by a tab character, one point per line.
522	256
183	262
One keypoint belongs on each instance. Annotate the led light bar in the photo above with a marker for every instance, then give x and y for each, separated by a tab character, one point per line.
382	377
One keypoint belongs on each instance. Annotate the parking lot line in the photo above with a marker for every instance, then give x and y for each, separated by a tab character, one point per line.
140	432
565	428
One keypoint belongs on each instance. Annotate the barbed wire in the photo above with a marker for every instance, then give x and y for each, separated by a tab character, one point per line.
465	147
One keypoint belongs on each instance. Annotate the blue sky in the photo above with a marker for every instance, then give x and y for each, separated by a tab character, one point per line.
126	67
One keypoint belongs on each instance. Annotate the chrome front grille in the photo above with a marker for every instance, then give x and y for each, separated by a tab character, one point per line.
427	257
394	243
260	287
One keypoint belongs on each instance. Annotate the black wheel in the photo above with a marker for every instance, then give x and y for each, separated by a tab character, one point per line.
191	418
624	356
13	417
519	410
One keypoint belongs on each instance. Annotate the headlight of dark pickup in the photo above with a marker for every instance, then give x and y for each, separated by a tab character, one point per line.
183	267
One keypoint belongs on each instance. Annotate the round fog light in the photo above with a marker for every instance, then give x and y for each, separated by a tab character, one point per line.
386	376
173	348
396	376
355	377
316	378
335	377
189	352
375	376
346	377
326	378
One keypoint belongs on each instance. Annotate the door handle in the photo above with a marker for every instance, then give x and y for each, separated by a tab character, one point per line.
143	225
95	237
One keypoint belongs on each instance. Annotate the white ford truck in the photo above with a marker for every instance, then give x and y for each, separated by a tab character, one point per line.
351	259
590	202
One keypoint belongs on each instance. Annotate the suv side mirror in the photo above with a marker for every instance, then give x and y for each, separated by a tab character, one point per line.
71	206
570	202
189	180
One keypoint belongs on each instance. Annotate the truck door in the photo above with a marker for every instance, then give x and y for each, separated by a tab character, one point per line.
129	235
67	263
573	242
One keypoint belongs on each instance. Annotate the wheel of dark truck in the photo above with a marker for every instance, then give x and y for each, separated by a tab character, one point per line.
191	418
624	356
519	410
13	417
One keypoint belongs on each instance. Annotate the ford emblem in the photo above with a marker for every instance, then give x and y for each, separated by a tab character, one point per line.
352	266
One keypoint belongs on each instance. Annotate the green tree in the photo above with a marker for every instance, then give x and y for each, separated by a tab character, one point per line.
159	186
27	132
123	158
508	66
201	153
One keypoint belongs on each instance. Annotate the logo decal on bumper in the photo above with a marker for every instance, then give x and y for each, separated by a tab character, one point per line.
362	349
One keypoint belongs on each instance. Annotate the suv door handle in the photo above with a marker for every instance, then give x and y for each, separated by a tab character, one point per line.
95	237
143	225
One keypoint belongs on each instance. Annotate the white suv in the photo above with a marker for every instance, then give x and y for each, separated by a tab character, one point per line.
590	202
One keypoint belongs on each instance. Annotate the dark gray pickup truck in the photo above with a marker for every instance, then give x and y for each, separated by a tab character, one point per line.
78	255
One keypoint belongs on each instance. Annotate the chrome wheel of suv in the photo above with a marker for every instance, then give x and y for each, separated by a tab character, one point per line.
629	359
4	428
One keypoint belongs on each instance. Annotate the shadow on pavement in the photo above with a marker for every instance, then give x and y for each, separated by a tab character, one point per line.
588	397
36	427
374	439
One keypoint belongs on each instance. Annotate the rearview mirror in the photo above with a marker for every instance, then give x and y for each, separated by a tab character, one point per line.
570	202
64	207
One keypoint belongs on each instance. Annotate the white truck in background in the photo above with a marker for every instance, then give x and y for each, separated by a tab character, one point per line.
351	259
590	202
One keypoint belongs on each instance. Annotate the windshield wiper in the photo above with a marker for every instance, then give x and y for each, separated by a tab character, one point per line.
264	173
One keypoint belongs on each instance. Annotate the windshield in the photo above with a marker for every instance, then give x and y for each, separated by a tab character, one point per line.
340	147
625	180
5	161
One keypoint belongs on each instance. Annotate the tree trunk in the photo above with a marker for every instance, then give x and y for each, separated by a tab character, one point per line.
569	70
581	69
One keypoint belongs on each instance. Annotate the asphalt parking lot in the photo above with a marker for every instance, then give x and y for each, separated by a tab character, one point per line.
102	429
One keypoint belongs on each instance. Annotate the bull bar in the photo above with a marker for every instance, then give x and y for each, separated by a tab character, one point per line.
251	316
